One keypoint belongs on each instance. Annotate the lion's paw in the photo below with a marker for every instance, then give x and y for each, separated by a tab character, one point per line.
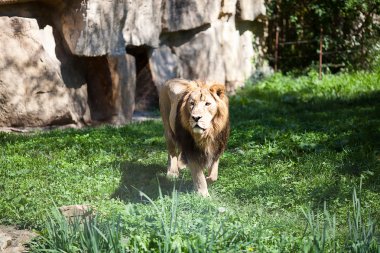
211	179
204	193
172	174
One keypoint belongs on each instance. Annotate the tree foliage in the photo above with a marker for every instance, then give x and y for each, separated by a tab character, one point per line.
351	32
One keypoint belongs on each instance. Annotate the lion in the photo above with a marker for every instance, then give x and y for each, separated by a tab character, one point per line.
196	125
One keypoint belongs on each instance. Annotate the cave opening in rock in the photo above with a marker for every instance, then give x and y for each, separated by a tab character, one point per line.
146	97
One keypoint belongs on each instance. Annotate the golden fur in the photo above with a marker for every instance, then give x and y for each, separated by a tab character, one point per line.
196	123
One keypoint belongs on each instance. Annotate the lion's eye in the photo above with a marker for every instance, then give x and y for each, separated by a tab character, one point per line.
192	103
208	103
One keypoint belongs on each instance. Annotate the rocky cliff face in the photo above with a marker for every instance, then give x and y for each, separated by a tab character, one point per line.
87	61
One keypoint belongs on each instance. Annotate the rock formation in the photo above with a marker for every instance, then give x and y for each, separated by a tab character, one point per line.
83	62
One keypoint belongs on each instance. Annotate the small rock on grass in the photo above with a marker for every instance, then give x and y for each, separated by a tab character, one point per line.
12	240
76	211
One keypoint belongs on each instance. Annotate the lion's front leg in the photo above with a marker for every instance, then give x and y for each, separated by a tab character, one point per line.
213	172
172	166
173	157
199	180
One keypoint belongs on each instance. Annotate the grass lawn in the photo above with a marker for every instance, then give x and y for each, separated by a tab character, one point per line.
301	174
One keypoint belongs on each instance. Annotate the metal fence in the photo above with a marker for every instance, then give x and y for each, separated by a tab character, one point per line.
276	57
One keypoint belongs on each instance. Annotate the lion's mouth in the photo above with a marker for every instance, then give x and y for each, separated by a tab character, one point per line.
198	129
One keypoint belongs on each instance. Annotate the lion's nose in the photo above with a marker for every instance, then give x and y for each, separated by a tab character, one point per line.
196	118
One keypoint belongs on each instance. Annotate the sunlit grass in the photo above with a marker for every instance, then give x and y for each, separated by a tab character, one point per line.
298	149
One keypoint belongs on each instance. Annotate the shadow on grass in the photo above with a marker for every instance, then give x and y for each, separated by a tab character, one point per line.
305	130
149	179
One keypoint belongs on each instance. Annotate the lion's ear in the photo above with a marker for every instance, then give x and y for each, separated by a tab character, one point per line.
218	89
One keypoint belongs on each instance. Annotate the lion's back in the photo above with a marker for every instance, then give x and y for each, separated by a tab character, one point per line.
169	96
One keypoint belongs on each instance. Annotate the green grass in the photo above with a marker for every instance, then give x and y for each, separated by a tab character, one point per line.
298	149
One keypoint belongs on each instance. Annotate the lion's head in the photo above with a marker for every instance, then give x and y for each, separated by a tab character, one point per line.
204	110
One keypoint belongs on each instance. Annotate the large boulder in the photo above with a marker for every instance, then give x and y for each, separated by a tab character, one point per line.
106	27
219	53
33	89
94	27
208	48
143	23
164	65
201	57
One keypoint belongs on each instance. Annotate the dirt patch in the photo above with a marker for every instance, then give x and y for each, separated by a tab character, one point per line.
13	240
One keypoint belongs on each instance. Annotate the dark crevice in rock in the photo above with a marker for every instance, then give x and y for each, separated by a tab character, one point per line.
181	37
99	88
146	92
